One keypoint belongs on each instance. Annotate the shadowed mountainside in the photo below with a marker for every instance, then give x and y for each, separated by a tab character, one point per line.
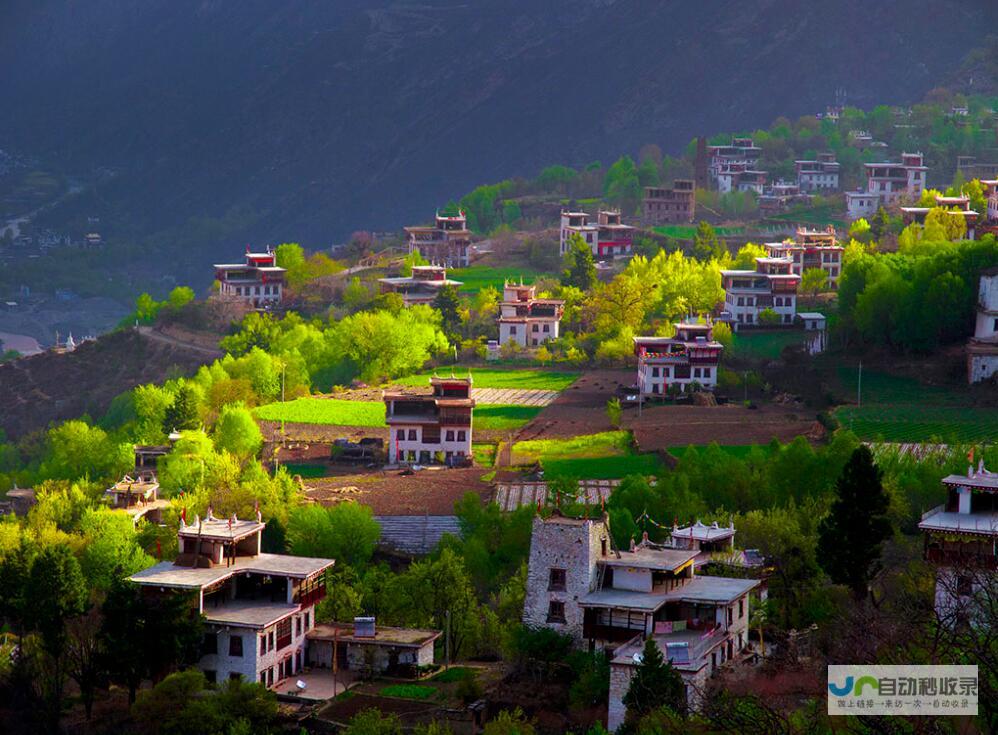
322	118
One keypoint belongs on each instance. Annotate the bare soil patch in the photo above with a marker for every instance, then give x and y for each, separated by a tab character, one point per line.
430	492
661	427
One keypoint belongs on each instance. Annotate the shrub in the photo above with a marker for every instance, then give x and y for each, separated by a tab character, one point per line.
768	318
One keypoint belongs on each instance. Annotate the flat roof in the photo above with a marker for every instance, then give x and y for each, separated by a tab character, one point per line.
221	529
383	636
984	479
625	599
402	281
168	574
666	560
702	532
810	315
249	613
977	523
721	590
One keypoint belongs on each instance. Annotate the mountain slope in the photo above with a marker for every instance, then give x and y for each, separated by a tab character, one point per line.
328	117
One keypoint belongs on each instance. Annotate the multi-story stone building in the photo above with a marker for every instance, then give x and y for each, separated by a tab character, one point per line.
430	428
861	204
740	177
960	539
818	175
690	357
781	196
896	182
446	243
811	249
608	238
527	320
741	154
772	285
421	287
257	607
258	281
982	350
580	585
677	205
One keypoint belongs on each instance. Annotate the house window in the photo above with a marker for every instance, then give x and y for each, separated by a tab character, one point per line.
537	328
556	612
741	609
235	676
263	678
741	301
263	644
995	326
209	644
654	372
236	645
462	436
964	585
547	327
512	329
412	435
306	621
706	372
450	435
400	435
556	580
270	643
284	634
731	616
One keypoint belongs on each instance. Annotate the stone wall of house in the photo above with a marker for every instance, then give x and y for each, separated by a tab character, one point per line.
982	367
569	544
620	681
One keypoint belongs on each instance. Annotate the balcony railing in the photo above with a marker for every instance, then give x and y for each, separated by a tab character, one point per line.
955	557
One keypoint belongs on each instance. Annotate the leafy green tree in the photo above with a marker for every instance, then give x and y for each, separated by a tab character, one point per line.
411	260
745	258
182	414
357	294
881	224
813	280
150	403
769	318
622	185
850	537
448	304
56	591
111	548
706	244
346	532
146	638
180	297
77	450
510	723
580	267
655	684
372	722
237	432
146	309
614	412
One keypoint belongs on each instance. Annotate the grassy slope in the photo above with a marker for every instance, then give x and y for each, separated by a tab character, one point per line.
499	378
764	345
478	277
596	456
899	409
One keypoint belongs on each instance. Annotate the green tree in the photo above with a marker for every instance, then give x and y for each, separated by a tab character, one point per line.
145	638
769	318
237	432
850	537
372	722
180	297
77	450
622	184
580	267
655	684
449	305
745	258
881	224
182	414
111	548
346	532
614	412
706	244
813	280
357	294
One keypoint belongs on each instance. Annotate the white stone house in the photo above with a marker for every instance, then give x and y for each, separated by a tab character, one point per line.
691	356
580	585
982	350
428	428
259	281
772	285
257	607
960	539
527	320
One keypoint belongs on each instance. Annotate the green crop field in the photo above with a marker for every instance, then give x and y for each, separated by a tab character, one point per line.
900	409
504	418
306	470
408	691
329	411
822	216
525	379
686	232
602	456
738	451
763	345
478	277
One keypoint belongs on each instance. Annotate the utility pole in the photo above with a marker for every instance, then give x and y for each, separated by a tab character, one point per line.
859	386
447	641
